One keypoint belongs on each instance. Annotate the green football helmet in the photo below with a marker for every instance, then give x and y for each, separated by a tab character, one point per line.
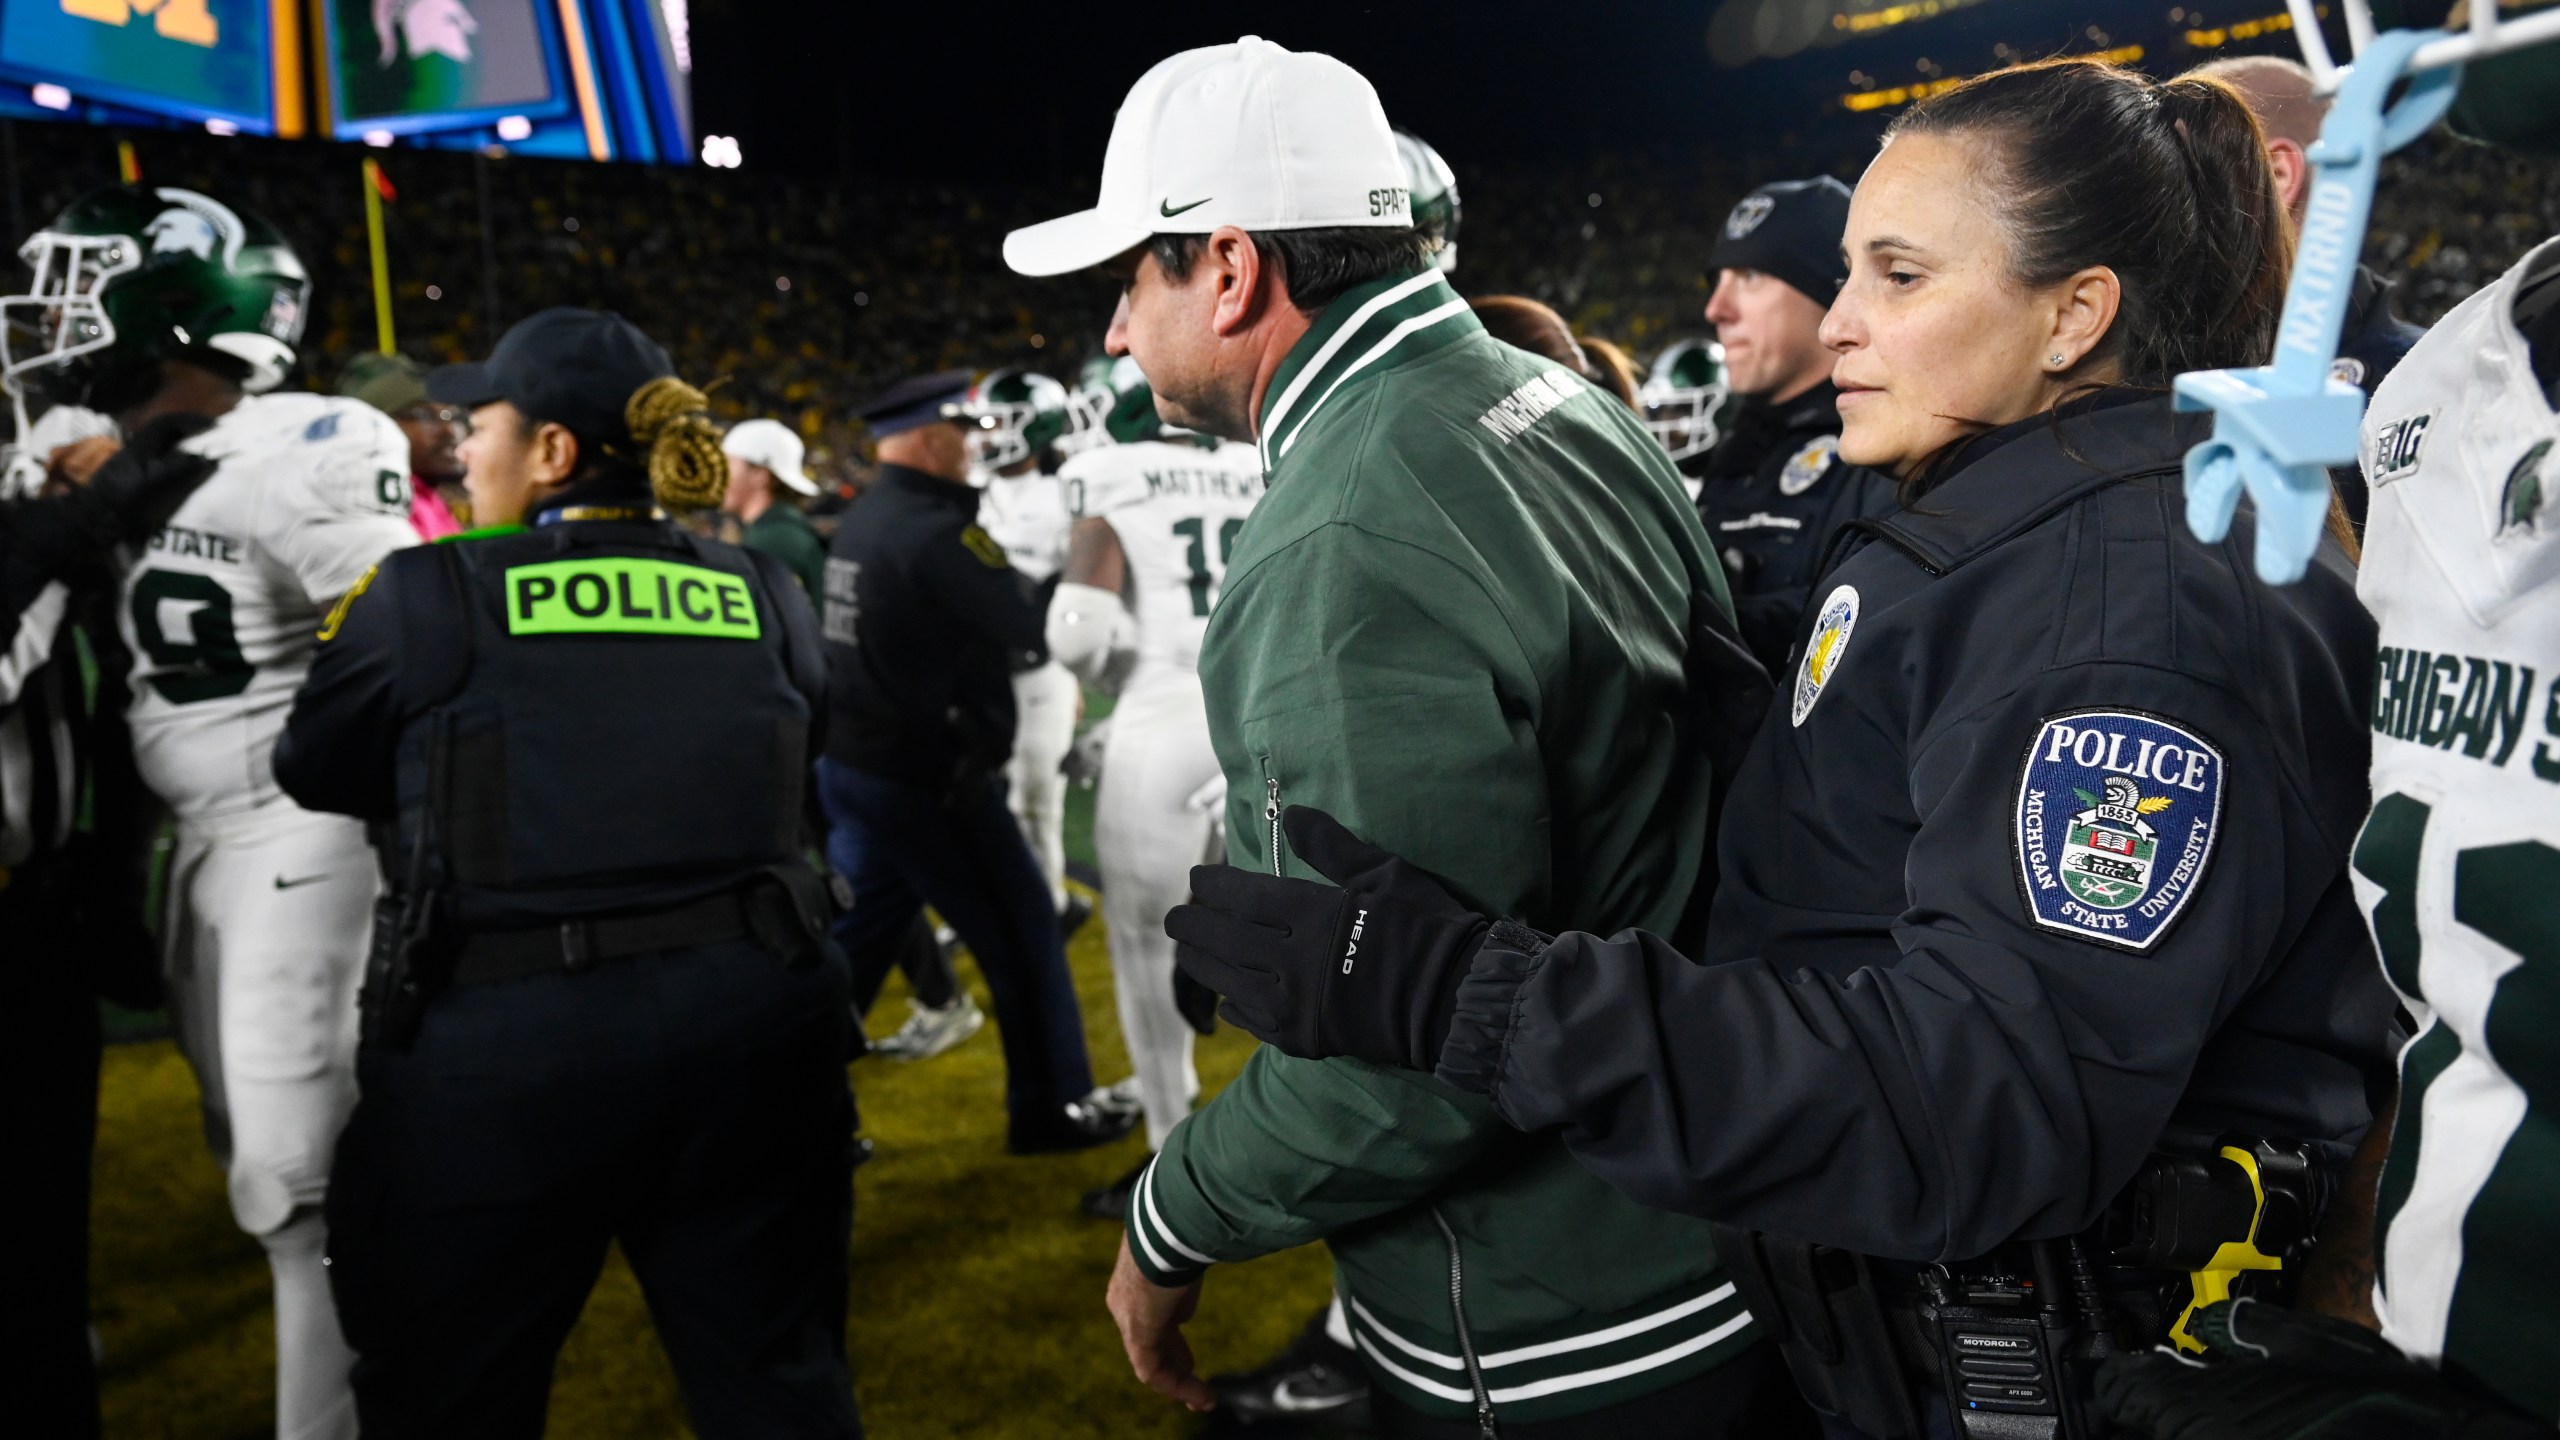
134	275
1687	399
1434	194
1013	416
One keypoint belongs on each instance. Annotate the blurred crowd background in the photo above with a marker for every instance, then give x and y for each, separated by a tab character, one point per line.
801	298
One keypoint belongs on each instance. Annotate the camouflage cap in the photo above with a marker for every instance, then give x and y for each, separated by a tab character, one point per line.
388	383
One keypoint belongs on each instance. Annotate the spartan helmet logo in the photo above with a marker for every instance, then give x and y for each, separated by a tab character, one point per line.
181	232
1746	217
2123	793
424	27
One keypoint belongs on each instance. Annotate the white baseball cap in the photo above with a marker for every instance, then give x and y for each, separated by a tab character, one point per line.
1248	134
771	444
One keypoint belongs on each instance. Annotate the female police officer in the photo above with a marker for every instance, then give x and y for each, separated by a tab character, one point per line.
2039	862
601	1006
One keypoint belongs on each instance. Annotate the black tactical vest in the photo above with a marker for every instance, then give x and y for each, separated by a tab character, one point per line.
626	737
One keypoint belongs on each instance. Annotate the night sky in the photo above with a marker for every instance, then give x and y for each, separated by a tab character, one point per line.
1016	91
1027	91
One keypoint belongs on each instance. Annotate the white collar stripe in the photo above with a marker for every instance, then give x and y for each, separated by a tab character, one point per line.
1419	322
1298	383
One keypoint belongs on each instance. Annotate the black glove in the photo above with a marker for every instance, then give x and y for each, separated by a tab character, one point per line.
133	494
1370	969
2274	1374
1197	1003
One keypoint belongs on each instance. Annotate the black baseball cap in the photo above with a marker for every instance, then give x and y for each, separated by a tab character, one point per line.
574	367
1790	229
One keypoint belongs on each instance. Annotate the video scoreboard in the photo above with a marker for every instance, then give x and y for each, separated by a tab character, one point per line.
598	79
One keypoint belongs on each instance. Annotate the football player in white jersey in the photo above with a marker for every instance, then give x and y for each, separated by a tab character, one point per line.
1020	417
1155	518
155	301
2458	867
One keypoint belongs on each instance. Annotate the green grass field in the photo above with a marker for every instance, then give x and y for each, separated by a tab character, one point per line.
977	1288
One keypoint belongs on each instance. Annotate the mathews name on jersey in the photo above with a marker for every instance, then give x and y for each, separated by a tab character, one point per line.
2458	867
222	609
1176	506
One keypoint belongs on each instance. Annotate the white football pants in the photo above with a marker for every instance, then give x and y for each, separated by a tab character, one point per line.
1044	704
268	918
1146	838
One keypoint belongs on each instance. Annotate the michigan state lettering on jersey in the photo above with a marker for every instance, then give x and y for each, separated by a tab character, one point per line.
2115	823
2476	706
625	595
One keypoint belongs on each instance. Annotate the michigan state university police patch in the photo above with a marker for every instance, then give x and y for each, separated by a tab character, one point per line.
2115	823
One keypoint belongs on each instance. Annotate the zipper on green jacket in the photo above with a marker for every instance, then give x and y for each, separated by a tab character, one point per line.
1458	1312
1271	811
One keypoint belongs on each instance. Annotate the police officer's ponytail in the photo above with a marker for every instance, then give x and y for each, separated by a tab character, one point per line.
2167	185
671	421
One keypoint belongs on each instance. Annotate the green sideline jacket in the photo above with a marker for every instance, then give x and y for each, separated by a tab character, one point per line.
1457	621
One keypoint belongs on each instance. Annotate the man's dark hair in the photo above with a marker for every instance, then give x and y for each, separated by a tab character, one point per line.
1316	265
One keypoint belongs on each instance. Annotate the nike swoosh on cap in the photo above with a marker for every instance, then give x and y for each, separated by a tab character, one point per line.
1168	209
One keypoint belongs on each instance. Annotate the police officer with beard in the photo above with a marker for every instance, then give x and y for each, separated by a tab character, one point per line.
1774	490
602	1006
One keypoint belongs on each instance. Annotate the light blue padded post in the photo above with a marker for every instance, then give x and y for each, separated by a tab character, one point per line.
2278	428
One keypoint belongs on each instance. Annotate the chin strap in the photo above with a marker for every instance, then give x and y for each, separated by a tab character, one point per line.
2279	428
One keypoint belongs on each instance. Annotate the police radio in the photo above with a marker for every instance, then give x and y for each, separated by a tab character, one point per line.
2018	1338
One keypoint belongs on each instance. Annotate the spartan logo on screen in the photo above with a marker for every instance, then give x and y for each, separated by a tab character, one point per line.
422	57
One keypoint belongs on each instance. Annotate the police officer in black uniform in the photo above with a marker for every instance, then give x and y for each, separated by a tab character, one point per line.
602	1005
926	621
2036	977
1774	490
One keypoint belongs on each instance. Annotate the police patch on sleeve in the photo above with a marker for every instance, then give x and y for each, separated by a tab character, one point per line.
2115	824
1823	649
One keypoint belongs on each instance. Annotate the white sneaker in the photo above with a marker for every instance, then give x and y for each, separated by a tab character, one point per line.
928	1031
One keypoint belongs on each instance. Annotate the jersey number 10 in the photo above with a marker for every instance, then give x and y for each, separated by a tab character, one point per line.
1195	530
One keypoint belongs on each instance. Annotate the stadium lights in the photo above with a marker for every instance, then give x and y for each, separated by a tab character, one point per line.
679	20
1905	94
514	127
220	127
721	152
51	97
378	139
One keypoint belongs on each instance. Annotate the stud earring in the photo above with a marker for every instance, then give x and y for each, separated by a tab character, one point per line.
2054	360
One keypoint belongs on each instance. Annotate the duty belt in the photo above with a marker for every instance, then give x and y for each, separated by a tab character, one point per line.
576	946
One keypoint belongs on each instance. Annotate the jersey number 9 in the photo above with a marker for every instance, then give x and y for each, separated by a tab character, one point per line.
205	662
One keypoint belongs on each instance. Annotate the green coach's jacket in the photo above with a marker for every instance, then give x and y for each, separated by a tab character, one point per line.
1458	620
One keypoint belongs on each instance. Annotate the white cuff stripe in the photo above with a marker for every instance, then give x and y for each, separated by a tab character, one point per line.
1155	1217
